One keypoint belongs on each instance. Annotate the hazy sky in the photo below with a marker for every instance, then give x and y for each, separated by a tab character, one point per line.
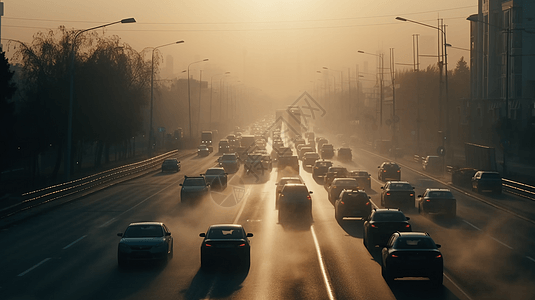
274	45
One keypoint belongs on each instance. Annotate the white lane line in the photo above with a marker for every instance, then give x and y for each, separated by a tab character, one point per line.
472	225
530	258
69	245
501	242
37	265
322	265
454	284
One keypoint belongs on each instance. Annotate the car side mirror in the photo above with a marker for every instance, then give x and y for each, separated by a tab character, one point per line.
419	196
249	234
408	218
179	161
202	234
168	233
413	188
438	245
180	184
382	188
369	197
310	192
120	234
378	166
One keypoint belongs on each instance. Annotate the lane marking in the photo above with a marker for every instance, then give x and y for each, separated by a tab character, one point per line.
501	242
454	284
37	265
530	258
472	225
242	207
69	245
322	265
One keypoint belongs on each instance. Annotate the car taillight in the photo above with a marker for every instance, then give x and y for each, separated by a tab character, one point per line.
242	245
367	203
427	200
334	186
308	197
384	171
411	194
398	171
342	202
207	245
374	226
408	226
438	256
388	194
394	256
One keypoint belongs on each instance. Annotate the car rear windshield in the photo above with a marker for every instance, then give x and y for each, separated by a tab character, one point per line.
229	157
360	197
391	167
389	216
346	182
295	190
194	182
360	174
440	194
215	172
324	164
138	231
415	243
401	186
225	233
490	176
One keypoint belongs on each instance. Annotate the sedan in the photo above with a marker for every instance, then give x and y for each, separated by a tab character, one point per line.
216	177
412	254
437	202
143	241
397	194
171	164
226	243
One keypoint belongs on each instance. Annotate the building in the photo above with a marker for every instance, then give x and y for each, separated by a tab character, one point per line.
501	108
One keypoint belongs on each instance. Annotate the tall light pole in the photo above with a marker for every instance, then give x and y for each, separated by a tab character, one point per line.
152	93
68	155
211	92
189	99
445	63
381	82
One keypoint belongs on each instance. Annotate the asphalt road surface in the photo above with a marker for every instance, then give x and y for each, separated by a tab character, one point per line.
71	252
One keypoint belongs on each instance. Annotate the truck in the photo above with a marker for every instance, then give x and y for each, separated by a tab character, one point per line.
207	139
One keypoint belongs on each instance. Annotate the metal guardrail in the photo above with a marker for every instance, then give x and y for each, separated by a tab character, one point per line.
519	189
49	194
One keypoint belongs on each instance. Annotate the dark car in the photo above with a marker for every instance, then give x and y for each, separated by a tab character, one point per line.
320	142
382	223
258	164
295	203
487	181
216	177
288	165
171	164
310	158
145	241
282	182
203	150
224	146
363	178
432	164
194	188
340	184
228	244
332	173
389	171
305	149
412	254
437	202
345	154
230	162
299	141
397	194
463	176
321	167
352	204
327	151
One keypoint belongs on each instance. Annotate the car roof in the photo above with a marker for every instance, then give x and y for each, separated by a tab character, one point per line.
345	179
437	190
397	181
226	226
215	168
146	223
191	177
414	234
385	210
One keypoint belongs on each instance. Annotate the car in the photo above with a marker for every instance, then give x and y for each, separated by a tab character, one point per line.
299	141
320	142
258	164
432	164
380	225
203	150
171	164
484	181
303	150
362	177
144	241
340	184
332	173
463	176
327	151
412	254
295	204
281	151
230	162
344	154
310	158
437	202
228	244
321	167
217	178
288	164
389	170
352	203
194	189
281	183
224	146
397	194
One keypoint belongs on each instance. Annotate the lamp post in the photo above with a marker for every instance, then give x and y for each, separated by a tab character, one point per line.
71	93
445	64
152	93
189	99
211	92
381	79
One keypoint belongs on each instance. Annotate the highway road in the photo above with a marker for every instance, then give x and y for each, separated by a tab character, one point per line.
71	251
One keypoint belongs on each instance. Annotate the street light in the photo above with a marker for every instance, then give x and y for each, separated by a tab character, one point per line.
211	92
71	93
381	79
189	98
152	92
